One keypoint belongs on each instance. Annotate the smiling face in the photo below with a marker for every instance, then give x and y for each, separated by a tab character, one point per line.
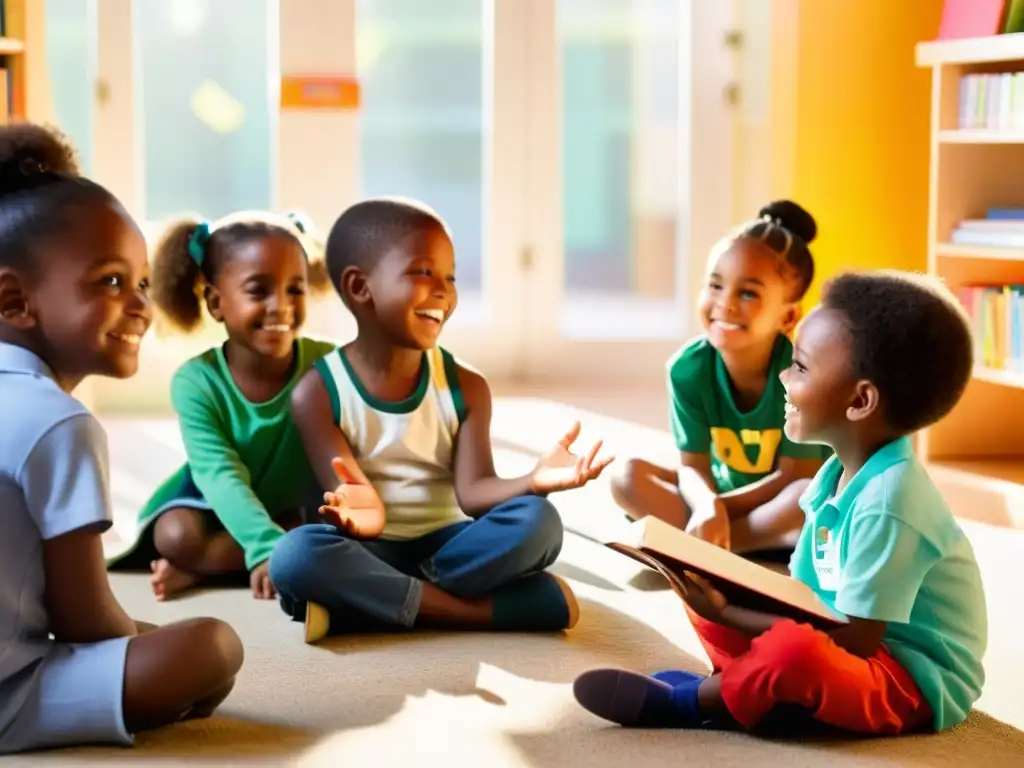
89	307
745	300
412	288
823	399
260	294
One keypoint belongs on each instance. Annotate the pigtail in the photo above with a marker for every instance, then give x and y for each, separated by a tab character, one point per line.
176	276
317	277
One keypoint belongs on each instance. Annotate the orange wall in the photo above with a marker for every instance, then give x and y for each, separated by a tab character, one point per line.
862	132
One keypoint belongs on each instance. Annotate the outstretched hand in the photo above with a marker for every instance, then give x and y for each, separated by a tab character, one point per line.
560	469
353	506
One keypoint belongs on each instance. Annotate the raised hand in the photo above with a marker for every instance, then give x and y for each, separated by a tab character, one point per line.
354	505
560	469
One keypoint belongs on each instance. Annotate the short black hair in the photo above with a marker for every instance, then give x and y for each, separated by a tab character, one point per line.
370	228
39	186
910	337
787	229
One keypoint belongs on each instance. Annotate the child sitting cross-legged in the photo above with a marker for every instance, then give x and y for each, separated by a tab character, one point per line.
739	477
883	356
398	431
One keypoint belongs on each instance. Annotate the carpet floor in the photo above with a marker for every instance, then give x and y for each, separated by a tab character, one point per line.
490	699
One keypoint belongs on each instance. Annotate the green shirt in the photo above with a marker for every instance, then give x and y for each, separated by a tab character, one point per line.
245	459
888	548
744	447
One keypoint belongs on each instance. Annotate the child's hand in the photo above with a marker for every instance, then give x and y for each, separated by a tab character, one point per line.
703	599
712	526
353	506
560	469
259	580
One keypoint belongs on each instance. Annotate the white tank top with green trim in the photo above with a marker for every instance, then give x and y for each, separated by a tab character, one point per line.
405	448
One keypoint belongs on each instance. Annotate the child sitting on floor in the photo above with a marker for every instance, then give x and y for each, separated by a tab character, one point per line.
74	668
425	531
246	477
883	356
740	478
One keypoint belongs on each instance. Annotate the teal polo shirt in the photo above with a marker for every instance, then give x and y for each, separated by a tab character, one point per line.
888	548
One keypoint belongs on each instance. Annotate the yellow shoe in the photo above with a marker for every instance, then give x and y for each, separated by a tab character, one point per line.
318	622
571	604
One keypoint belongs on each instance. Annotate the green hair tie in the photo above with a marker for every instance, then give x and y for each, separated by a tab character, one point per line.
197	243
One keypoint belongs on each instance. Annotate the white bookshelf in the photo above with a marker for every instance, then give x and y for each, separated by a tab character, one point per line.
976	454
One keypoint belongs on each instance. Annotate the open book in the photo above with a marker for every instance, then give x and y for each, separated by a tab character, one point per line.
744	583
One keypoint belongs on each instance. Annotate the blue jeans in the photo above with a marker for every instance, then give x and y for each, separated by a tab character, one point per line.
368	583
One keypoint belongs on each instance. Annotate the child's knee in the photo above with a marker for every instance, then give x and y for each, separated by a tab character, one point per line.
626	480
791	493
541	525
790	648
222	648
295	557
179	535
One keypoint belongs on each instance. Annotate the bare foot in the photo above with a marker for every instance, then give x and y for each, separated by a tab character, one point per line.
168	581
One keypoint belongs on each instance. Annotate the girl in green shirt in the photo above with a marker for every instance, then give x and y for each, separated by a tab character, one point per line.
246	478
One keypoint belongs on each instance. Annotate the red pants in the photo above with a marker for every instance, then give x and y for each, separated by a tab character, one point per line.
796	664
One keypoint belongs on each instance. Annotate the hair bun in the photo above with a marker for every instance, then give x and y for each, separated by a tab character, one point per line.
30	154
793	217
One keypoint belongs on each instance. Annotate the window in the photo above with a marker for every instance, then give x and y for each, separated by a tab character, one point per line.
205	79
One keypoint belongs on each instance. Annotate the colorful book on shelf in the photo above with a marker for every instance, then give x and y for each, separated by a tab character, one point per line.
971	18
997	323
673	553
992	101
1001	228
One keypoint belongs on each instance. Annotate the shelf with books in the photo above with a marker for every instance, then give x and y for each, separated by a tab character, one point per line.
976	246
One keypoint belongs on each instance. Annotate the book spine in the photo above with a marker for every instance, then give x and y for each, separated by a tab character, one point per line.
992	102
997	323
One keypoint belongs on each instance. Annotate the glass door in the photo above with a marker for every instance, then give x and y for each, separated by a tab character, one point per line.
440	121
636	137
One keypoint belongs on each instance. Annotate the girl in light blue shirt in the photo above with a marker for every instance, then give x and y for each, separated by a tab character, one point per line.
74	668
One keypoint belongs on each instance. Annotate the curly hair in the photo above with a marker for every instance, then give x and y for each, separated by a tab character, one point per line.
178	278
910	337
39	186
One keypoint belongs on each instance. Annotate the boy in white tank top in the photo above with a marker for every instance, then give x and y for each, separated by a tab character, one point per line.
423	531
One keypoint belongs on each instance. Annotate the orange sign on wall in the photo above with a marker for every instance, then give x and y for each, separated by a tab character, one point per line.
310	92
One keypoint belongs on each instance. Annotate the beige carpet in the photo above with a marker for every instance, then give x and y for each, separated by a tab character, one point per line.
505	700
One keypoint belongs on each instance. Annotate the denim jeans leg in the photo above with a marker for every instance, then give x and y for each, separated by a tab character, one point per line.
319	564
519	537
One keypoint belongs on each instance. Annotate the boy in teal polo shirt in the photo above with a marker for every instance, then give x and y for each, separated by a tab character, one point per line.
883	356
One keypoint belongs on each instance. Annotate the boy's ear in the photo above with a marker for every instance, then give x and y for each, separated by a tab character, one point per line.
355	288
865	401
793	314
14	305
212	296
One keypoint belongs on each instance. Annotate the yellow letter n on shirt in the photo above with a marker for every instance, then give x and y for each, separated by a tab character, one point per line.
730	451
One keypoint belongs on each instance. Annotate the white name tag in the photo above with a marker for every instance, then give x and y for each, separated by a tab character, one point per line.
826	559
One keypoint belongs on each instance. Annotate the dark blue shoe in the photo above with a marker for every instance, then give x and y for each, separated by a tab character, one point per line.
638	701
